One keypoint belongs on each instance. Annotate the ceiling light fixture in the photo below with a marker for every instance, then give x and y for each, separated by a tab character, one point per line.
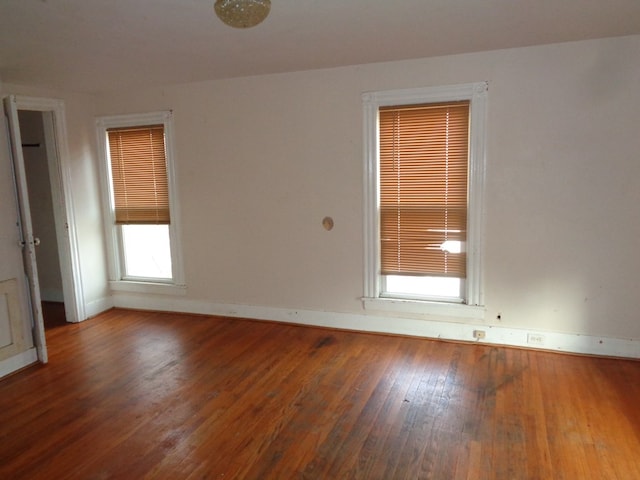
242	13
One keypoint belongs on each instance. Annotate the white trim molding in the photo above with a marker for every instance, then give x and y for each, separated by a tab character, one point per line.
420	307
64	208
98	306
111	233
417	327
473	297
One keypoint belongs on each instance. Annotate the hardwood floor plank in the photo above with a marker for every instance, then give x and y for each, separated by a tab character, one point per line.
146	395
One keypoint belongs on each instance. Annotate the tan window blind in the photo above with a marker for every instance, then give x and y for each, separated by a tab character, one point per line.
423	188
139	174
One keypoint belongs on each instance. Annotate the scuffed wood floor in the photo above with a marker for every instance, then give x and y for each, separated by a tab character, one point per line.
136	395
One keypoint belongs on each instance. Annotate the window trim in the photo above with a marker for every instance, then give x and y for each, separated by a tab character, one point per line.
117	280
372	101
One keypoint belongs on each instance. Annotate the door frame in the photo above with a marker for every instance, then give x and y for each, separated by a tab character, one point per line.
55	131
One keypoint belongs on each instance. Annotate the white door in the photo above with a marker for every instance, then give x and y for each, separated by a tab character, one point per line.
16	339
26	243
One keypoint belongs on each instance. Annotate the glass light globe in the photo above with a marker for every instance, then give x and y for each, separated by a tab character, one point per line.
242	13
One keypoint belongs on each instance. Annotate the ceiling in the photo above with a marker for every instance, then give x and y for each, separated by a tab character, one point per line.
101	45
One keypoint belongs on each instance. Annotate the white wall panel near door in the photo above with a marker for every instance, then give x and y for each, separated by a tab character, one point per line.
12	340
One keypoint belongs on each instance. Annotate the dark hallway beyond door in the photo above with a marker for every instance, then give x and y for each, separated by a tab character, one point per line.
54	315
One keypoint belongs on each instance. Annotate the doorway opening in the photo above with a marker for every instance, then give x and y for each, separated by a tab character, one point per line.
37	133
39	162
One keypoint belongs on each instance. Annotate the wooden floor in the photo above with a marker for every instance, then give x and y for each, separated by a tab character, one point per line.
131	395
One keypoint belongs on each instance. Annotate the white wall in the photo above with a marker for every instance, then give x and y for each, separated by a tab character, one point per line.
262	160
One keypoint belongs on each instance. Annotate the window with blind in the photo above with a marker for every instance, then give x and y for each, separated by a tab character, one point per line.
423	189
424	166
141	218
139	175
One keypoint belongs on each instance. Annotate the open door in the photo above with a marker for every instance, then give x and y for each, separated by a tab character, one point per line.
16	342
28	242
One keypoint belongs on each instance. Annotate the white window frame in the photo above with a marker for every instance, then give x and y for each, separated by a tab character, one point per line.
472	306
117	280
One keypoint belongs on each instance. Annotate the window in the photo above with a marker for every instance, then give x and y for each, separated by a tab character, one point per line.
424	171
141	214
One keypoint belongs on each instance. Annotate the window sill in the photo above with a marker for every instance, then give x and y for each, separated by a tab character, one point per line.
148	287
423	307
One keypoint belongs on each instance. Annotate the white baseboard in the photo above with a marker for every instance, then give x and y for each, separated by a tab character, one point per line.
494	335
96	307
17	362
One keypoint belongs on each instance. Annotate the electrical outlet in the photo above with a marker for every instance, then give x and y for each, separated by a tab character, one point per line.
535	339
479	334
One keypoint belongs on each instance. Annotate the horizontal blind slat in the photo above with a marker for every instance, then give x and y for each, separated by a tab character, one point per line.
139	175
423	188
